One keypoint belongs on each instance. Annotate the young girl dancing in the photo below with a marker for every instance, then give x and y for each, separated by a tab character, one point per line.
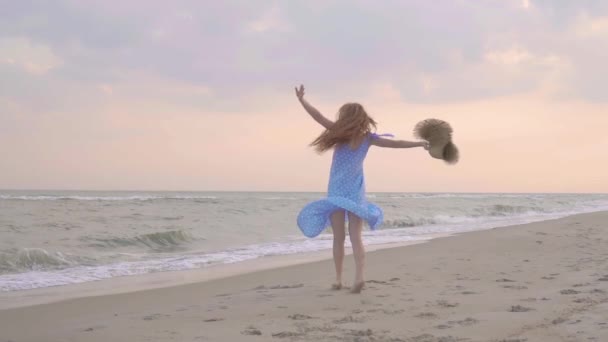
350	136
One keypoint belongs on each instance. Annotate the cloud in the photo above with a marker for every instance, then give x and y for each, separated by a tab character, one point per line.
589	27
33	58
272	19
106	89
511	56
430	51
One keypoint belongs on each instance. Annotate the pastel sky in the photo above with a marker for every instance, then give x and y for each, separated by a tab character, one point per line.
198	95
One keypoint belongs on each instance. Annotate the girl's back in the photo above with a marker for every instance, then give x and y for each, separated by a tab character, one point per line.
346	176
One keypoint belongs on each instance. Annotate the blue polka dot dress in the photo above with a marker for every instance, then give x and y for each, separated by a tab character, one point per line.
346	191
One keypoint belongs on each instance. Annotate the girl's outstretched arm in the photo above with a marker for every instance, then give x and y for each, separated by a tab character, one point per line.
382	142
325	122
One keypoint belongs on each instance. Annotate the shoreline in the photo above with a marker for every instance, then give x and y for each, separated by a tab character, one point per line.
158	280
542	281
78	248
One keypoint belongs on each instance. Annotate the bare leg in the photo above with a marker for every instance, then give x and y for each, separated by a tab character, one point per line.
339	230
355	226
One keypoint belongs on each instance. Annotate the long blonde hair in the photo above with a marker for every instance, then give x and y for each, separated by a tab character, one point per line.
352	126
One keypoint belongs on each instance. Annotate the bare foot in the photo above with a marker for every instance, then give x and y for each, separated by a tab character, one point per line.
357	287
336	286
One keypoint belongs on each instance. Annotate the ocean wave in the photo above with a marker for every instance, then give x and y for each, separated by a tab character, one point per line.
408	222
475	214
100	198
508	210
461	195
154	241
33	259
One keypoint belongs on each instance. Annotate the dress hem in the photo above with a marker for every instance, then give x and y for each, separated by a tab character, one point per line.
314	218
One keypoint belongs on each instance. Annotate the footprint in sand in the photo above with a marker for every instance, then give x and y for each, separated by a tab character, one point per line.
585	300
154	317
468	292
214	319
515	287
519	308
394	312
569	292
426	315
558	320
325	328
251	330
349	319
581	285
282	287
97	327
286	334
299	317
505	280
465	322
433	338
446	304
361	333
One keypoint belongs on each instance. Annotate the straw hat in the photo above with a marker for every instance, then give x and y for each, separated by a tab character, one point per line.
439	135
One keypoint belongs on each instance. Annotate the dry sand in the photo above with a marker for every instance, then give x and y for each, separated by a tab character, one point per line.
544	281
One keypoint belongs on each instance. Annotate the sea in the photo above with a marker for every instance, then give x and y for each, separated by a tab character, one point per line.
55	238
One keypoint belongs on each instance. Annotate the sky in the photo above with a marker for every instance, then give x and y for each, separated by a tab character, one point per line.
199	95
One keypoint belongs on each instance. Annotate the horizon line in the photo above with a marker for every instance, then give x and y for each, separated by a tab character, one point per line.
300	191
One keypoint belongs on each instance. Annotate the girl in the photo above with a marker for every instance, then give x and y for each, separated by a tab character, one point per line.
350	137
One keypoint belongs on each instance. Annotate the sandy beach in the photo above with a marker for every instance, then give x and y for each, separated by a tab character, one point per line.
545	281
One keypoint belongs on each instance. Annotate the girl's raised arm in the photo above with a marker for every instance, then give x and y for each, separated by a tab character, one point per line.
325	122
383	142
